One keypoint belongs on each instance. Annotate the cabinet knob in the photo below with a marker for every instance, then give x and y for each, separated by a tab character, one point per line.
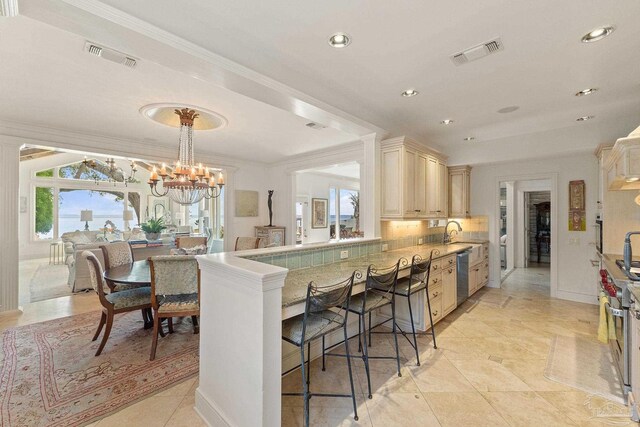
435	313
450	270
435	294
450	261
435	280
438	211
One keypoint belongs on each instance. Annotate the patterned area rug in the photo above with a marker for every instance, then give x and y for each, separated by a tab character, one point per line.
50	376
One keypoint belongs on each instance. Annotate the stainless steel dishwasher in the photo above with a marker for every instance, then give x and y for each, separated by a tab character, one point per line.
462	273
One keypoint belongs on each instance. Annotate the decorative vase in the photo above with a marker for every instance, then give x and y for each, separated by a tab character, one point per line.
152	236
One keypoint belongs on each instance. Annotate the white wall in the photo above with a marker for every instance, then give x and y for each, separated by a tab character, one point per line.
576	276
317	186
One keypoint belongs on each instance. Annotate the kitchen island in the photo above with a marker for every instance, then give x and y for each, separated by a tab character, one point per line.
243	303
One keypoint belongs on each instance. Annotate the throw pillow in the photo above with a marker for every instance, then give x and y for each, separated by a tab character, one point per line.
79	239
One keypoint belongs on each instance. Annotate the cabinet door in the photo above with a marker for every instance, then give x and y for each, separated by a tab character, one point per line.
449	289
409	190
420	195
442	190
456	194
432	186
474	278
391	162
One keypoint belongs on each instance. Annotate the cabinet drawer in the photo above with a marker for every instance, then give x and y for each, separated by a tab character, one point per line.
435	279
435	291
435	266
436	310
448	262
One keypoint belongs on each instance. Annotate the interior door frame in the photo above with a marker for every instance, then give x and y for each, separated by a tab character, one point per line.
305	200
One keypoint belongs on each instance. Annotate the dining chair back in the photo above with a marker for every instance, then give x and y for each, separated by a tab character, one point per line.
175	291
244	243
190	242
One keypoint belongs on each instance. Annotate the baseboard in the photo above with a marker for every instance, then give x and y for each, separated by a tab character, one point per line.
577	297
209	413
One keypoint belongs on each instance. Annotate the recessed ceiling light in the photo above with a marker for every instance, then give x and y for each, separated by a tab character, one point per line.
589	91
446	122
470	138
409	93
510	109
584	118
339	40
597	34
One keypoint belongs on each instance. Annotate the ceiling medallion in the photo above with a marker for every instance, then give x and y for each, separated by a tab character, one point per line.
187	183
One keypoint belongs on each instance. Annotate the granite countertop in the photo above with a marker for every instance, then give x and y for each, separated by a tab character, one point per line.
295	285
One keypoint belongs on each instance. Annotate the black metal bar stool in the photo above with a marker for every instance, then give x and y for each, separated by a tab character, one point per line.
418	280
326	310
379	291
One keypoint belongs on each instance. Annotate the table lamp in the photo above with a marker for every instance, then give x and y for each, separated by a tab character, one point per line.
179	217
86	216
127	215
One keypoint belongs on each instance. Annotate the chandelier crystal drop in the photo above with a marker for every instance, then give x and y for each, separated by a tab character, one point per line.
188	182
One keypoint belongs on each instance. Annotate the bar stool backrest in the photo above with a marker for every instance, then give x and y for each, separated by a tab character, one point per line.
382	281
420	269
321	299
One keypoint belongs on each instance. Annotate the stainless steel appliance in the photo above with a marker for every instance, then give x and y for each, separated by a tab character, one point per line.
628	268
462	273
598	228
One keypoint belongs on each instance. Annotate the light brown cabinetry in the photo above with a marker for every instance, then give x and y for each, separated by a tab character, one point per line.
272	236
442	288
479	271
413	181
459	191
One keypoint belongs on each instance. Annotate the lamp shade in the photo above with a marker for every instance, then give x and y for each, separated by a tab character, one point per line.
204	213
86	215
178	216
127	215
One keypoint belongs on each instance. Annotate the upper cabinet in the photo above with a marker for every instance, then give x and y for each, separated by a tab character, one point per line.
414	181
459	191
623	164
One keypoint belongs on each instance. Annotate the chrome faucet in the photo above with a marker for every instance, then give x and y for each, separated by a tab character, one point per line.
628	256
447	238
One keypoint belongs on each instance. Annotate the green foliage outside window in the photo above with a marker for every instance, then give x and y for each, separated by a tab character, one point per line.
44	205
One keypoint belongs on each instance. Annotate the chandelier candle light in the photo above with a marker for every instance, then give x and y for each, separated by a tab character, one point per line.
188	183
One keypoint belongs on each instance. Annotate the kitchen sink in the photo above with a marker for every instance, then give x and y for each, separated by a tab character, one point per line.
475	253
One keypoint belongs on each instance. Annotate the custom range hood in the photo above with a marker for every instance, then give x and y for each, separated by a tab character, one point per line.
623	165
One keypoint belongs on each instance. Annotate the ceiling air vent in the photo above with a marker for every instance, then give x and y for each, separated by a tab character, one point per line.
110	54
314	125
477	52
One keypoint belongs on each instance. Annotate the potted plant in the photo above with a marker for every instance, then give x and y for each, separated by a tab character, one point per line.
153	227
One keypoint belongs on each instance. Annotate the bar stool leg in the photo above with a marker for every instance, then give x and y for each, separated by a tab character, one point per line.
413	330
365	357
353	392
323	353
305	387
433	331
359	335
395	334
308	361
370	340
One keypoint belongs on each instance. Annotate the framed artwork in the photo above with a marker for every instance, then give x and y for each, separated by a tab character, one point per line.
319	213
246	203
577	206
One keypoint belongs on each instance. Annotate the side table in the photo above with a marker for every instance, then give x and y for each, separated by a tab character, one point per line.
56	253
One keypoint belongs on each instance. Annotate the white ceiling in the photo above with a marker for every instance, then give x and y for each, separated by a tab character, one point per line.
52	82
396	45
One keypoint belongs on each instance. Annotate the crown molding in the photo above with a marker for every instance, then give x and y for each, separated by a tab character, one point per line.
349	152
153	32
9	8
107	145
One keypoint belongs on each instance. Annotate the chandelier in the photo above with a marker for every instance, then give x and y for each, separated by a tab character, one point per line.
187	183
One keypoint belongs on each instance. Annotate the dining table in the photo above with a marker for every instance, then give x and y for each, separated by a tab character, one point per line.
136	273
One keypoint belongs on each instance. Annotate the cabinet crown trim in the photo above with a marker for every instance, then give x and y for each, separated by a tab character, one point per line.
411	143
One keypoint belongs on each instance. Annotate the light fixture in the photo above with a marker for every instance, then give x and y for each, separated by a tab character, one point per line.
470	138
633	179
597	34
584	118
409	93
637	199
189	182
584	92
509	109
339	40
86	215
446	122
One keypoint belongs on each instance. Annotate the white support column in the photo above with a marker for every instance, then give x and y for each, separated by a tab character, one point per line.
370	186
240	342
9	225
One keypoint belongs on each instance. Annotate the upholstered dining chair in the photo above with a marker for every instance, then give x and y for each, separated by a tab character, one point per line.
115	302
244	243
190	242
175	292
117	254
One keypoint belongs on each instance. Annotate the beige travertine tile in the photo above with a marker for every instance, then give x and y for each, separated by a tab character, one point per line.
487	375
476	328
460	348
439	375
182	389
463	409
531	371
526	408
154	411
503	348
326	417
185	415
537	345
588	409
401	410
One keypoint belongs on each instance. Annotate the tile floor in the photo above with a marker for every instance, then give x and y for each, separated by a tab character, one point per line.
487	370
